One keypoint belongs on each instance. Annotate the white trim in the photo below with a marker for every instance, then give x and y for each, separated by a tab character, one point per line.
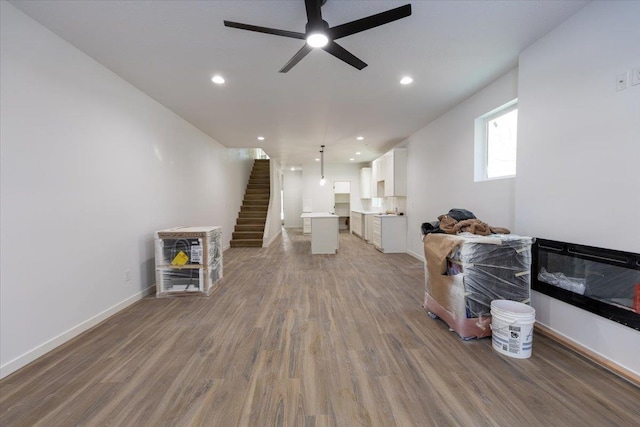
28	357
225	247
272	239
415	255
591	353
480	141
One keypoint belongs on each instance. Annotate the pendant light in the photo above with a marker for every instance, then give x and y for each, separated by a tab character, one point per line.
322	180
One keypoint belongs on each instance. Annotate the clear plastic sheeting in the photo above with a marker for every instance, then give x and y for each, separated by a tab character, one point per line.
465	272
183	280
494	268
573	284
611	284
188	260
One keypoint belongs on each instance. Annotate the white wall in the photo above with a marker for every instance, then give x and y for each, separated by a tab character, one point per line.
292	203
321	197
579	155
273	224
90	168
440	167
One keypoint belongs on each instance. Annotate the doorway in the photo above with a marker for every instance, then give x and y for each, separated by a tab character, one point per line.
342	203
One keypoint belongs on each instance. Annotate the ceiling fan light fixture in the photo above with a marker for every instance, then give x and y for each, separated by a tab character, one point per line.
317	40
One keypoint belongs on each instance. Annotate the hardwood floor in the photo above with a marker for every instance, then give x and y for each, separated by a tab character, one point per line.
288	339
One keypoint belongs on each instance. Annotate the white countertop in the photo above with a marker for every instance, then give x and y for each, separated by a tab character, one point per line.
389	215
366	212
318	215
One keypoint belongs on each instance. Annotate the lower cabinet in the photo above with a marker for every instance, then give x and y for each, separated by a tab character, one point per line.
356	224
368	227
390	233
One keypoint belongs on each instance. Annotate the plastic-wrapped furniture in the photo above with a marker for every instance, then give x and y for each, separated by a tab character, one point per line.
465	272
188	260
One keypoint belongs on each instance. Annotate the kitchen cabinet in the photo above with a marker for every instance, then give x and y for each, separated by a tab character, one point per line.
390	233
324	232
368	227
362	224
396	173
356	224
365	183
390	174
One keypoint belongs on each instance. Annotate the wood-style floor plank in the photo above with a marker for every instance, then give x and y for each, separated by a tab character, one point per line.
291	339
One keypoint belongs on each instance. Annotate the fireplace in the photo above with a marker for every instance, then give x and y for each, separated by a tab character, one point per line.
605	282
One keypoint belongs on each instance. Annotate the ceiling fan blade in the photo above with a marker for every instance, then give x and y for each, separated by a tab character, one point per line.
341	53
266	30
296	58
369	22
314	15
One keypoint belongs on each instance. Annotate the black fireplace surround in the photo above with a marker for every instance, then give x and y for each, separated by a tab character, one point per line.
603	281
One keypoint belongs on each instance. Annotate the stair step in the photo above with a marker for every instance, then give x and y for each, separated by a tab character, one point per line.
256	202
266	181
253	214
258	187
250	227
254	208
257	196
258	190
247	235
251	221
248	243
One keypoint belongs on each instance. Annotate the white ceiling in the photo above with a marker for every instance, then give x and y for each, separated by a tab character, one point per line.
170	50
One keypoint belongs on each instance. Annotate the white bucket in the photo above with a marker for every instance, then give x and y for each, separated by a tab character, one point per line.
512	328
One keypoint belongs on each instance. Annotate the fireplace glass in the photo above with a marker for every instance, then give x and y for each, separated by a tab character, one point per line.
603	281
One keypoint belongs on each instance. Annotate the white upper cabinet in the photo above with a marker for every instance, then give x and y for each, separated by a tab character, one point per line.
365	183
390	174
341	187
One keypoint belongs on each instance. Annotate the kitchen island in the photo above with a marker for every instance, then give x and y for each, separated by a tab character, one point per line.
324	232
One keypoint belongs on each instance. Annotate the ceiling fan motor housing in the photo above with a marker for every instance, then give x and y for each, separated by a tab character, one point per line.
323	28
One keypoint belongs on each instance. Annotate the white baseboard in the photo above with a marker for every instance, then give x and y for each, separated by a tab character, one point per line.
415	255
21	361
272	239
225	247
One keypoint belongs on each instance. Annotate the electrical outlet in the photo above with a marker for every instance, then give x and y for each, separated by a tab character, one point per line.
127	275
621	81
635	76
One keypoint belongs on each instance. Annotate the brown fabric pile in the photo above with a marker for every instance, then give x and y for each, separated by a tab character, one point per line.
475	226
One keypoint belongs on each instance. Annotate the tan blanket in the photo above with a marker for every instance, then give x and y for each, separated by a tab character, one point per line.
474	226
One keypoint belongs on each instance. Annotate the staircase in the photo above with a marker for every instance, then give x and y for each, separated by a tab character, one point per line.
249	229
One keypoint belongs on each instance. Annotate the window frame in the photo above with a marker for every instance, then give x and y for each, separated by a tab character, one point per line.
481	141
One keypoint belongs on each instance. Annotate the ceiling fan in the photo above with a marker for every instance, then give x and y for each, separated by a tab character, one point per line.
319	34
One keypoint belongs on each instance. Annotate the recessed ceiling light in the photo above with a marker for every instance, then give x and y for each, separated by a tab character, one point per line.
261	138
317	160
360	138
357	153
351	159
292	168
217	79
406	80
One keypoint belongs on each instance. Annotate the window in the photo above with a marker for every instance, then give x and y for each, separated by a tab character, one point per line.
495	143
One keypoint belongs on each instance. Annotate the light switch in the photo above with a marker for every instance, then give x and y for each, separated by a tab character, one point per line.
621	81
